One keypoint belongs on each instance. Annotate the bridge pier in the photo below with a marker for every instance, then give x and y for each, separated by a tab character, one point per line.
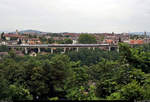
93	48
52	50
109	48
77	49
64	50
118	49
39	50
65	46
26	50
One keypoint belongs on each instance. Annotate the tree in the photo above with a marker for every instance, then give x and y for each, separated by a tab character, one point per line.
135	57
19	42
19	93
13	92
78	86
83	75
90	57
130	91
102	73
120	39
2	36
12	53
37	78
82	93
43	39
87	39
4	48
3	88
60	69
46	78
51	40
68	41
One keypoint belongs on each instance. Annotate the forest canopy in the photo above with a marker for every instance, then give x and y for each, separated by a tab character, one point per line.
82	75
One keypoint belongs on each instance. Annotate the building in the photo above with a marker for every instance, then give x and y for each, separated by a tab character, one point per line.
12	42
109	41
3	43
33	54
138	42
33	41
74	41
71	34
30	41
12	36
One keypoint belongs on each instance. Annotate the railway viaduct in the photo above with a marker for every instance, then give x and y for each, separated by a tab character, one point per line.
64	46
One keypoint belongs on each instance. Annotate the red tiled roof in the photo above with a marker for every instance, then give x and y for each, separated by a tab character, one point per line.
72	34
136	41
109	41
34	39
13	35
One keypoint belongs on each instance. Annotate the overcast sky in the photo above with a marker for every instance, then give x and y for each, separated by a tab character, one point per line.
75	15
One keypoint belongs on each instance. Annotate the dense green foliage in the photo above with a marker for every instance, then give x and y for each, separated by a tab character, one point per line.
68	41
2	36
51	41
4	48
65	41
87	39
84	75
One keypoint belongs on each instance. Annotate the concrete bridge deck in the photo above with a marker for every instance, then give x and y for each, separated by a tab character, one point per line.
64	46
60	45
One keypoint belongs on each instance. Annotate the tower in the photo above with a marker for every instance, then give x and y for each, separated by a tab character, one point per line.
17	32
145	37
145	34
113	33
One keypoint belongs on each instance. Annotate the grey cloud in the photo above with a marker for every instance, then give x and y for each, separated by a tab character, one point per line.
75	15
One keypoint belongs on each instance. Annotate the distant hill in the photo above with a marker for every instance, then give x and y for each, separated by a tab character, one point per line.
4	31
139	33
31	31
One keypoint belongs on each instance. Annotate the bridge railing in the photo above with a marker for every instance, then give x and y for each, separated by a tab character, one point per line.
62	45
